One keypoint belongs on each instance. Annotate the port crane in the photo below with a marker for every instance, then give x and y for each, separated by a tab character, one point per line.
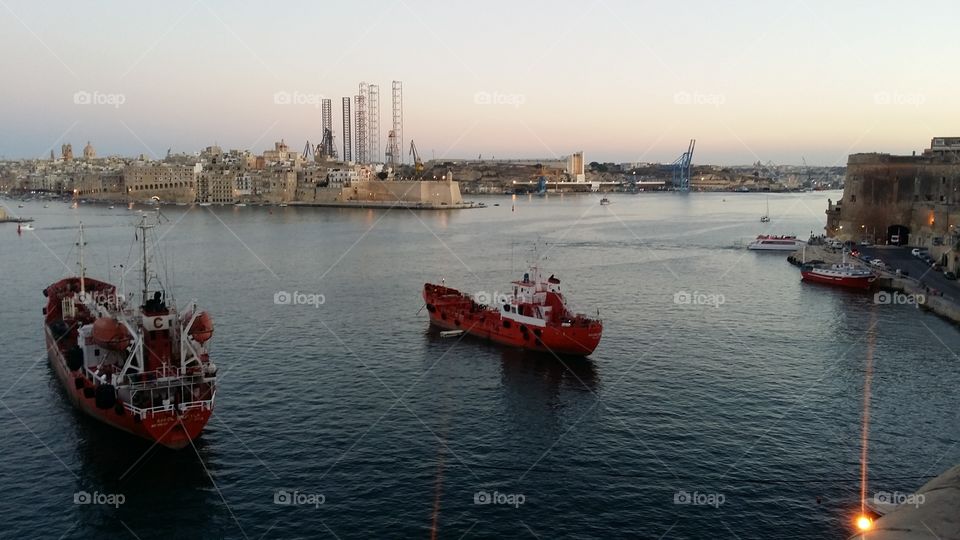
682	167
417	162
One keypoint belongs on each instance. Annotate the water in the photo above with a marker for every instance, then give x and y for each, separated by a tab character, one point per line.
757	399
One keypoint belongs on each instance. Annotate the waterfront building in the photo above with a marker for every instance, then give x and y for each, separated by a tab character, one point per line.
909	200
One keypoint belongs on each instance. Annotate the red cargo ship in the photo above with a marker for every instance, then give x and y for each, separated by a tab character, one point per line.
140	368
534	317
839	275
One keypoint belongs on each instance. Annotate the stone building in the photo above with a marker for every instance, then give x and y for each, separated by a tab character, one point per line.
169	182
909	200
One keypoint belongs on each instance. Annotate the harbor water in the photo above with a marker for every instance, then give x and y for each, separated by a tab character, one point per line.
726	398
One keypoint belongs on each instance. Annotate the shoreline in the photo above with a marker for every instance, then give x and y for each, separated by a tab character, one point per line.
933	300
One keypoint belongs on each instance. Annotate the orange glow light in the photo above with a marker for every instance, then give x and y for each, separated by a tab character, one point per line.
864	523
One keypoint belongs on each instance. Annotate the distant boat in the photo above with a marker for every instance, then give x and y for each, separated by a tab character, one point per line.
130	205
240	204
604	201
20	205
765	218
283	205
766	242
204	204
46	206
110	207
74	205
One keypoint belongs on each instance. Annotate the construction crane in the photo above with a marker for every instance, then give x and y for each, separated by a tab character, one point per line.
417	162
682	167
308	152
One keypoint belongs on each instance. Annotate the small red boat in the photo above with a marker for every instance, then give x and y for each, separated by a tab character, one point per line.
839	275
534	317
140	368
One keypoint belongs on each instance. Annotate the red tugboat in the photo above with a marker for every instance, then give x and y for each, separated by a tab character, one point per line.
534	317
844	274
143	369
839	275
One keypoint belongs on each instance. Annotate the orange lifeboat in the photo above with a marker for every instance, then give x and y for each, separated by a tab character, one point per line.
202	329
110	334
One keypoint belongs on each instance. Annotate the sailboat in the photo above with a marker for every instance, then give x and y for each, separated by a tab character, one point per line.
765	218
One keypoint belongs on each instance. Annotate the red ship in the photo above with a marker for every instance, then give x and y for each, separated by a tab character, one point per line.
844	274
839	275
534	317
142	368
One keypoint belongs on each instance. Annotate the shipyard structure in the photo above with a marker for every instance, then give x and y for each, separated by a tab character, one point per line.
905	200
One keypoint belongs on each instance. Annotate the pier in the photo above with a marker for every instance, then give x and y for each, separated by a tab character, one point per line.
940	299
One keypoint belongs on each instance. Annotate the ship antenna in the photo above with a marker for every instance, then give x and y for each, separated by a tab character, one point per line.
83	288
143	239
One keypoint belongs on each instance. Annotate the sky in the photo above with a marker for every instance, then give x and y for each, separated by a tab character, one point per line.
622	81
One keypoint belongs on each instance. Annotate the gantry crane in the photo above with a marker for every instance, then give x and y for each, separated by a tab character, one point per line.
417	162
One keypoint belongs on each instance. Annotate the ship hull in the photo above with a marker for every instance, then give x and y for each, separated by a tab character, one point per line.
166	428
848	282
569	340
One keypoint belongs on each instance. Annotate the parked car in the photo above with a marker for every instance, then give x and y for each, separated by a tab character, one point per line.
950	275
865	243
915	252
877	262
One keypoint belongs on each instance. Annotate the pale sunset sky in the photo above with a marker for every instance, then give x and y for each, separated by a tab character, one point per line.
621	80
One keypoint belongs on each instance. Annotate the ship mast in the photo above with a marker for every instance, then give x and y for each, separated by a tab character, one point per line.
83	271
143	239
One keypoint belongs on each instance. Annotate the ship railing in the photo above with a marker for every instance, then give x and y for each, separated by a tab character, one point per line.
163	377
143	412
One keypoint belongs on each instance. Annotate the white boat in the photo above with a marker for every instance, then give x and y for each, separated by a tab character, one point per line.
765	218
769	242
604	201
283	205
204	204
240	204
26	227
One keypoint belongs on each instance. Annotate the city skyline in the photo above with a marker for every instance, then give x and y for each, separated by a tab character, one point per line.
751	83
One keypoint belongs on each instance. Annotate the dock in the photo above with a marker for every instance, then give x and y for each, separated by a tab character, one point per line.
929	299
390	205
